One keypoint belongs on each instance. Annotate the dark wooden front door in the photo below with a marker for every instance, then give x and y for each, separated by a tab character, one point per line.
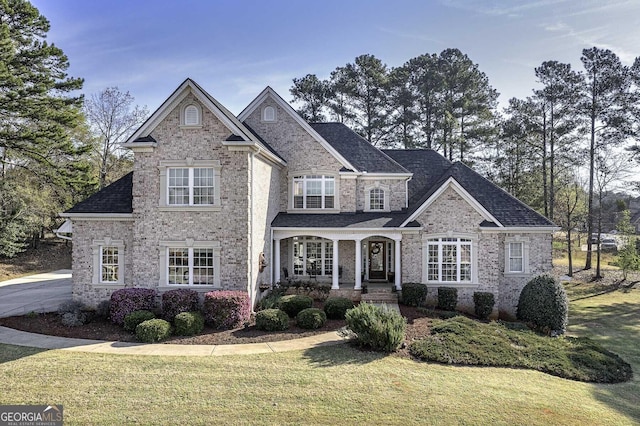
377	264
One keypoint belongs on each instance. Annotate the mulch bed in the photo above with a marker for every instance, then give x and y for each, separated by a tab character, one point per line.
50	324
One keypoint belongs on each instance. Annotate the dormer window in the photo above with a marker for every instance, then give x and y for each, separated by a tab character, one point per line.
313	192
269	114
191	116
377	198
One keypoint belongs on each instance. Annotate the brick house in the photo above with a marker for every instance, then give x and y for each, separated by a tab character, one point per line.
217	201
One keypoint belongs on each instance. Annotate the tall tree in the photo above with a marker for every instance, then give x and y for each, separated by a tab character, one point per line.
112	118
403	118
605	106
570	209
313	94
426	81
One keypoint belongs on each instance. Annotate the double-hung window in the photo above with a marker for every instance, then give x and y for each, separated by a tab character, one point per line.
313	192
516	257
449	260
192	263
190	186
109	264
376	199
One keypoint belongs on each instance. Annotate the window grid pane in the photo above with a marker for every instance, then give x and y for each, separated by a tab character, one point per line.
109	265
203	186
178	186
376	199
449	260
328	258
313	192
516	262
178	262
202	266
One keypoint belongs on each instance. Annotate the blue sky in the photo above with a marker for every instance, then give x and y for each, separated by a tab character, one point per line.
235	48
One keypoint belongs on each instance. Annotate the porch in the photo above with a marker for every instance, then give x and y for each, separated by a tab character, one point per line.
347	261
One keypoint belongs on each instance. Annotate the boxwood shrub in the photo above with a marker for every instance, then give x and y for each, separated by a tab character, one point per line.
226	309
127	300
177	301
413	294
447	298
311	318
543	304
153	330
132	320
188	323
483	302
377	328
272	320
292	304
337	307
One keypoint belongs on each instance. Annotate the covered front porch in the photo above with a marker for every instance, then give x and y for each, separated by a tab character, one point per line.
346	260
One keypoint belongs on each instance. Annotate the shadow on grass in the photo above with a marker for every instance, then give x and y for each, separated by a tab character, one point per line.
344	354
10	353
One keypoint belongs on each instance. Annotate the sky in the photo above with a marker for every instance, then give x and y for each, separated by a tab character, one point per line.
235	48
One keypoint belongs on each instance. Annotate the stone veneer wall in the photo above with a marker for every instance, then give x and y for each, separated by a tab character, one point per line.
229	226
84	232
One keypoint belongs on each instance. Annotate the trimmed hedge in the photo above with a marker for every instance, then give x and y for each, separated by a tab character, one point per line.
177	301
337	307
447	298
127	300
189	323
413	294
292	304
226	309
311	318
153	330
272	320
132	320
543	304
377	328
483	303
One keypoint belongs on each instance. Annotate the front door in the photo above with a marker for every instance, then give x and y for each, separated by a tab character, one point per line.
377	264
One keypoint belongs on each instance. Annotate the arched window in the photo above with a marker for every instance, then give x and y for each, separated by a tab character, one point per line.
191	116
269	114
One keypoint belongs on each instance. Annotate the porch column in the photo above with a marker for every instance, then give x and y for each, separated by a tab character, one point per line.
358	285
398	266
335	284
276	261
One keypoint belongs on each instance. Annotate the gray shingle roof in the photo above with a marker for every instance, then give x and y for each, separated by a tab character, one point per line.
115	198
357	150
341	220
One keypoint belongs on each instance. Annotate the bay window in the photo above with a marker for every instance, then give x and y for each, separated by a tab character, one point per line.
313	192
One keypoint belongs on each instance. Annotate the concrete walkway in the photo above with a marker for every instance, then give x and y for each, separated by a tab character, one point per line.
35	293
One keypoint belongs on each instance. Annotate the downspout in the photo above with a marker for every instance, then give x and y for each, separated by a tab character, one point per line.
251	286
406	192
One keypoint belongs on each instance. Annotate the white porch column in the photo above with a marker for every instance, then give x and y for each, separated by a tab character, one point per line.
276	261
358	269
398	266
335	284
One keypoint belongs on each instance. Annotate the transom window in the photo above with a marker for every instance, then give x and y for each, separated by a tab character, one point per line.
312	256
516	257
191	116
449	260
376	199
313	192
109	264
190	266
190	186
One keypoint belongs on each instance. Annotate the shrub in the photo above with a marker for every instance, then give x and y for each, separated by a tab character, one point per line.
127	300
377	328
543	304
103	308
311	318
132	320
72	314
189	323
483	302
337	307
447	298
271	300
272	320
226	309
153	330
70	306
413	294
178	301
292	304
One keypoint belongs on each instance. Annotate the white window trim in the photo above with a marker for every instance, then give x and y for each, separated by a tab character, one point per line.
264	117
367	197
525	256
313	172
474	261
183	124
96	249
189	163
163	284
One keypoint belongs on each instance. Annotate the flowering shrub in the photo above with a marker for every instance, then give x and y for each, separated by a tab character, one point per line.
127	300
226	309
177	301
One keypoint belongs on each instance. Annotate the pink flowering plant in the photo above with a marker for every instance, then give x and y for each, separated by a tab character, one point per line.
127	300
226	309
180	300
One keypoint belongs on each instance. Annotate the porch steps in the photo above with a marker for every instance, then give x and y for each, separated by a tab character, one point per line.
380	294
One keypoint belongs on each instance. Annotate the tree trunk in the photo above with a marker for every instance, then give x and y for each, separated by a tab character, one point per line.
544	164
592	156
552	173
569	253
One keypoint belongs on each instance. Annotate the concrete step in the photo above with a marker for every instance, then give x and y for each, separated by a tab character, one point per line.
379	297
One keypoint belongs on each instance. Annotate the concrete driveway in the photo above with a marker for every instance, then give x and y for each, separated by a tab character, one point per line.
37	293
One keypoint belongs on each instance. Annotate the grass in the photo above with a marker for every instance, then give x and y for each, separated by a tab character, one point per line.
460	340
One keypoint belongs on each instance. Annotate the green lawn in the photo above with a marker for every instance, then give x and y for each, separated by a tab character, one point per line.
332	385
